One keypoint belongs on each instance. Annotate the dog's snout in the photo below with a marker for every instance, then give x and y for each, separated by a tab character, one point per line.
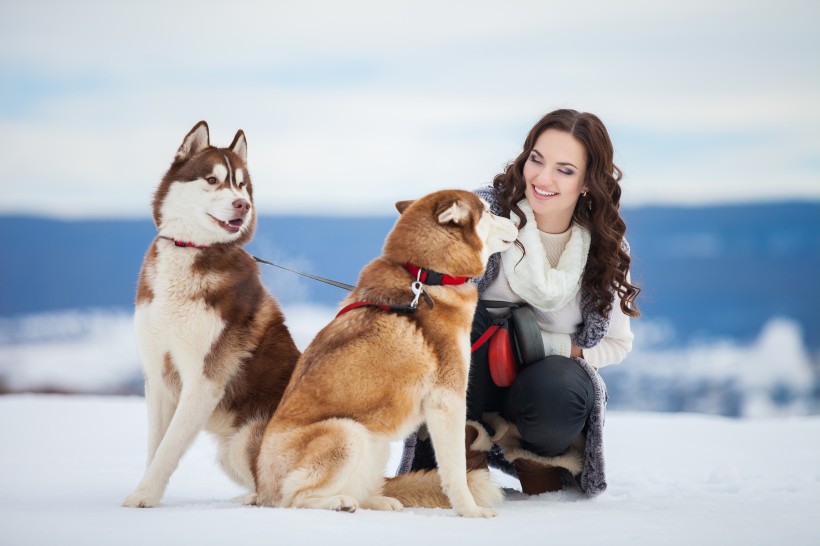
241	206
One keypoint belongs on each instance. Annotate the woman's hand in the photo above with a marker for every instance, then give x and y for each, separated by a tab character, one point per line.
576	351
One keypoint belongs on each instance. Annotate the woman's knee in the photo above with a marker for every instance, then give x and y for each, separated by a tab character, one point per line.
550	402
555	379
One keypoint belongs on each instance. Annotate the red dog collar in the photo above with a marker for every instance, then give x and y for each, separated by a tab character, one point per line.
424	276
183	244
434	278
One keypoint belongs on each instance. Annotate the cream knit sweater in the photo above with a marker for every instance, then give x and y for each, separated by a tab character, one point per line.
556	326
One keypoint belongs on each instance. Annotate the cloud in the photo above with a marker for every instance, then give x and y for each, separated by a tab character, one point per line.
350	106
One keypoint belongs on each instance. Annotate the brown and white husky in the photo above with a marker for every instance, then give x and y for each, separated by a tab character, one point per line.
213	342
379	370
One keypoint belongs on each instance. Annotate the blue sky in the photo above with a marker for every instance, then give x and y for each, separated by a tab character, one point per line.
351	106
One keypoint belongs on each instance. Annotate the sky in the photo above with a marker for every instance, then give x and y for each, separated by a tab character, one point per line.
351	106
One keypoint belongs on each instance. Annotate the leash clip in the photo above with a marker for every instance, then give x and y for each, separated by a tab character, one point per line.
418	291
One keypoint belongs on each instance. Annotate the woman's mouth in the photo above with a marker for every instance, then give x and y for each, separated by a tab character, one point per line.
543	194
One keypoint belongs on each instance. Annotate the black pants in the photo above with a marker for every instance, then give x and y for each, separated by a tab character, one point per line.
549	401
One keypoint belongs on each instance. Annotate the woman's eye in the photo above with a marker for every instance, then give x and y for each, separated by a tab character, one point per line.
534	159
211	180
566	171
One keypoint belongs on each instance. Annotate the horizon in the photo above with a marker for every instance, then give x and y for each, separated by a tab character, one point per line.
68	216
681	257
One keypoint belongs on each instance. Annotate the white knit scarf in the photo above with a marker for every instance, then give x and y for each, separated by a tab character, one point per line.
534	279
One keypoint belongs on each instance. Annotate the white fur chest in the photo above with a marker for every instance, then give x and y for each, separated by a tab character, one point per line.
465	346
176	320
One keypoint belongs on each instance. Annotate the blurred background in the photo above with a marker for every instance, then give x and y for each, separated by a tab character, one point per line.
713	108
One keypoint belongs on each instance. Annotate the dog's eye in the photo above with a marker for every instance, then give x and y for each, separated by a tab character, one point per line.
211	180
240	185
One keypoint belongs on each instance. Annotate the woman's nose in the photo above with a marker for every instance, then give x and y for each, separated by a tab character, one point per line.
544	175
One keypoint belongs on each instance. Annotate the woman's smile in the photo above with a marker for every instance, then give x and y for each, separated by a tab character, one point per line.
554	174
542	194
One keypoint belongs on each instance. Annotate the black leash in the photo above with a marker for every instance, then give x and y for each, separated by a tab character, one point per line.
315	278
417	287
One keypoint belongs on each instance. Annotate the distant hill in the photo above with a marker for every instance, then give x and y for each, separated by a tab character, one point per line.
708	272
722	271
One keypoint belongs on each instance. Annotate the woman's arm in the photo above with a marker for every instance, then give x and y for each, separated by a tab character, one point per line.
611	350
616	344
618	340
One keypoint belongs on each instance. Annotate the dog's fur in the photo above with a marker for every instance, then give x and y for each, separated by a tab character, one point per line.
372	376
213	342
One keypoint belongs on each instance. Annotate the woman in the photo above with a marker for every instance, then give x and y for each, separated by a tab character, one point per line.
570	264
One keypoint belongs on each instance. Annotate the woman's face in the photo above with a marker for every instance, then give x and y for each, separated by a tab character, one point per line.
554	173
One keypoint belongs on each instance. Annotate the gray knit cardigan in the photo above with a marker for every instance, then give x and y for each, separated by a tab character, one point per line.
591	481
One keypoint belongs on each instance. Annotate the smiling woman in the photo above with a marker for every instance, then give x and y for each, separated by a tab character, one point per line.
554	175
568	158
570	266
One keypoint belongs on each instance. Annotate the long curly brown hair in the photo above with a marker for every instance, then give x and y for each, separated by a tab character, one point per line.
608	262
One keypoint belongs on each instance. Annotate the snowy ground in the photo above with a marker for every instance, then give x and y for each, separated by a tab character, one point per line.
673	479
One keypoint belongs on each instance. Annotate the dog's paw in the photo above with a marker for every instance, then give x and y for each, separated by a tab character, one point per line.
478	512
342	503
383	503
485	491
248	499
141	499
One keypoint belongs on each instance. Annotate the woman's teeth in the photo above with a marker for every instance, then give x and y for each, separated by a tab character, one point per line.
543	193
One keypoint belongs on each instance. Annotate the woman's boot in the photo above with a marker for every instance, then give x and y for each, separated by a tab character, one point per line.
477	445
537	477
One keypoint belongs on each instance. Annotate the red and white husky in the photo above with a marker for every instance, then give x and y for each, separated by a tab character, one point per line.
213	342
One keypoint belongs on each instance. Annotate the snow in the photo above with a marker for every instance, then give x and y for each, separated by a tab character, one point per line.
774	375
70	351
674	478
68	462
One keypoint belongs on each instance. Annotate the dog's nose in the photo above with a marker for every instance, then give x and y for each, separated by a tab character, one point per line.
241	206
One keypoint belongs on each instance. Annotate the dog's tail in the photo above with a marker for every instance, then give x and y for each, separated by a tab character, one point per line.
422	489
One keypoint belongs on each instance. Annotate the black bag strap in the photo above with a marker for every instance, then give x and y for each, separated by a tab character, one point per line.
528	335
525	334
498	304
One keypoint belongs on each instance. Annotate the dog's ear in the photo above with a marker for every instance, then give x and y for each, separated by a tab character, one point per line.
401	206
239	146
455	212
197	140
